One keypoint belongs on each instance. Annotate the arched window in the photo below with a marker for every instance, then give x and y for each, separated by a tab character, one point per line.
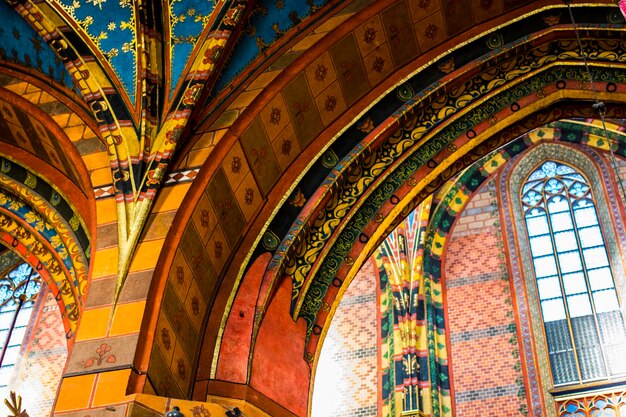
15	312
583	322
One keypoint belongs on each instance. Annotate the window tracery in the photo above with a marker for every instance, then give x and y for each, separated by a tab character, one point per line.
545	397
581	314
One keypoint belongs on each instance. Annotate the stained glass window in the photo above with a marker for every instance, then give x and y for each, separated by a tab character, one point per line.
20	280
583	322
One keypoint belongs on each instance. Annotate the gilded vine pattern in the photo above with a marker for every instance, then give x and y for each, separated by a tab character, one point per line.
14	233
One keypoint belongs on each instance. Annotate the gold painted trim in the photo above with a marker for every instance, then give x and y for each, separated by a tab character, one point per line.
381	96
56	189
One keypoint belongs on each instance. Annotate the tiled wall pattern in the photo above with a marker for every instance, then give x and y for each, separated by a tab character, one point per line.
44	352
484	349
346	381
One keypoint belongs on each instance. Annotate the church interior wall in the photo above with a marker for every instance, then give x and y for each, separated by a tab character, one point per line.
484	353
43	355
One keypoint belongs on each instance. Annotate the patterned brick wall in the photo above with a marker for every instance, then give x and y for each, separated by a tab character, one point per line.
483	343
44	354
345	382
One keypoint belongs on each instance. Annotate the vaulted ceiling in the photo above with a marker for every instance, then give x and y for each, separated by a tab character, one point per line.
314	125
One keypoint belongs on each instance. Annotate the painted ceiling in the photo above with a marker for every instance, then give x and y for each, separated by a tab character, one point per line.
111	26
268	23
187	19
21	45
113	32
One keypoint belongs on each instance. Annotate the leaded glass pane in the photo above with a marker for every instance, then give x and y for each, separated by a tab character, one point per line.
614	339
585	216
558	204
578	189
561	353
541	245
553	310
561	221
22	319
565	241
532	198
615	357
18	331
570	262
549	288
537	225
579	305
574	283
554	186
11	355
545	266
600	278
549	168
605	301
590	236
595	257
588	347
562	169
537	175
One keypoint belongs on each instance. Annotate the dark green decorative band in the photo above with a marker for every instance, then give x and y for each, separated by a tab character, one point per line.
38	185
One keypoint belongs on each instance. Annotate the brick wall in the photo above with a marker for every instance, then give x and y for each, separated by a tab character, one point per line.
44	354
483	344
345	382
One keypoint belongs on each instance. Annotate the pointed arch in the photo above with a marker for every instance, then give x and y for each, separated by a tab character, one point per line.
526	297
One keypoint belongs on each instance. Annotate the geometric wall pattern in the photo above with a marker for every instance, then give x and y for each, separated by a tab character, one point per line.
44	353
346	381
480	313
